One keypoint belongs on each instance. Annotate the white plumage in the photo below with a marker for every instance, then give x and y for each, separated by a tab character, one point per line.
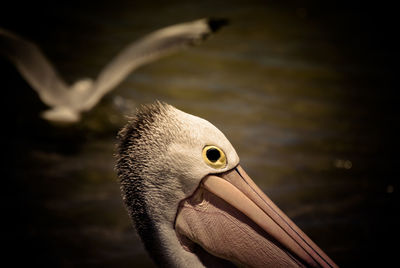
68	101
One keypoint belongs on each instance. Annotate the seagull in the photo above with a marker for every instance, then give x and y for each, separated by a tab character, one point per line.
192	203
67	102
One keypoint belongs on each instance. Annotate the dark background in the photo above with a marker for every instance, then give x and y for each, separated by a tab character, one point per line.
362	34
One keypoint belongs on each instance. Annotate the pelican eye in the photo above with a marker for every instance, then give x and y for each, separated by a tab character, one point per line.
214	156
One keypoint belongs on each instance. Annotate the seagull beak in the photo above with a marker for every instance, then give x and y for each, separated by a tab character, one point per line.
231	218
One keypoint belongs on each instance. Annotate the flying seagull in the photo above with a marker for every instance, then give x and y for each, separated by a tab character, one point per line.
192	203
67	102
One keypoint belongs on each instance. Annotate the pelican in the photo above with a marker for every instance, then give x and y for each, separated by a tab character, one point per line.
192	203
67	102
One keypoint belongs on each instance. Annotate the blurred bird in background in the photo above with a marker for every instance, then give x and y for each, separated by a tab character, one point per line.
68	101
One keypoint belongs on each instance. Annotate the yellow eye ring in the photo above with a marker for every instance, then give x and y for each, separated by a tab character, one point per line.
214	156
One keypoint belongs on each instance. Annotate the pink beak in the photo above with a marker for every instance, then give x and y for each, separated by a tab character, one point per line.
231	218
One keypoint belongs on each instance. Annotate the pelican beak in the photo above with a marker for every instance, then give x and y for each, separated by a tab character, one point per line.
231	218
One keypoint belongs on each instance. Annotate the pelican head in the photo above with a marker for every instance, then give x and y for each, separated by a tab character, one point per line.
192	203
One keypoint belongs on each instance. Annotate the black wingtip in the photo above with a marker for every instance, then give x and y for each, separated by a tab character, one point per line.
216	23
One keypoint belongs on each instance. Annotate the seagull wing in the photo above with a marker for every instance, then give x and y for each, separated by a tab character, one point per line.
150	48
34	67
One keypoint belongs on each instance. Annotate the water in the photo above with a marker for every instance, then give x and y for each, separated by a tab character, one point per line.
303	92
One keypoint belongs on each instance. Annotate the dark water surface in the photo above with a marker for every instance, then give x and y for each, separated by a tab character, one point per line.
304	91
